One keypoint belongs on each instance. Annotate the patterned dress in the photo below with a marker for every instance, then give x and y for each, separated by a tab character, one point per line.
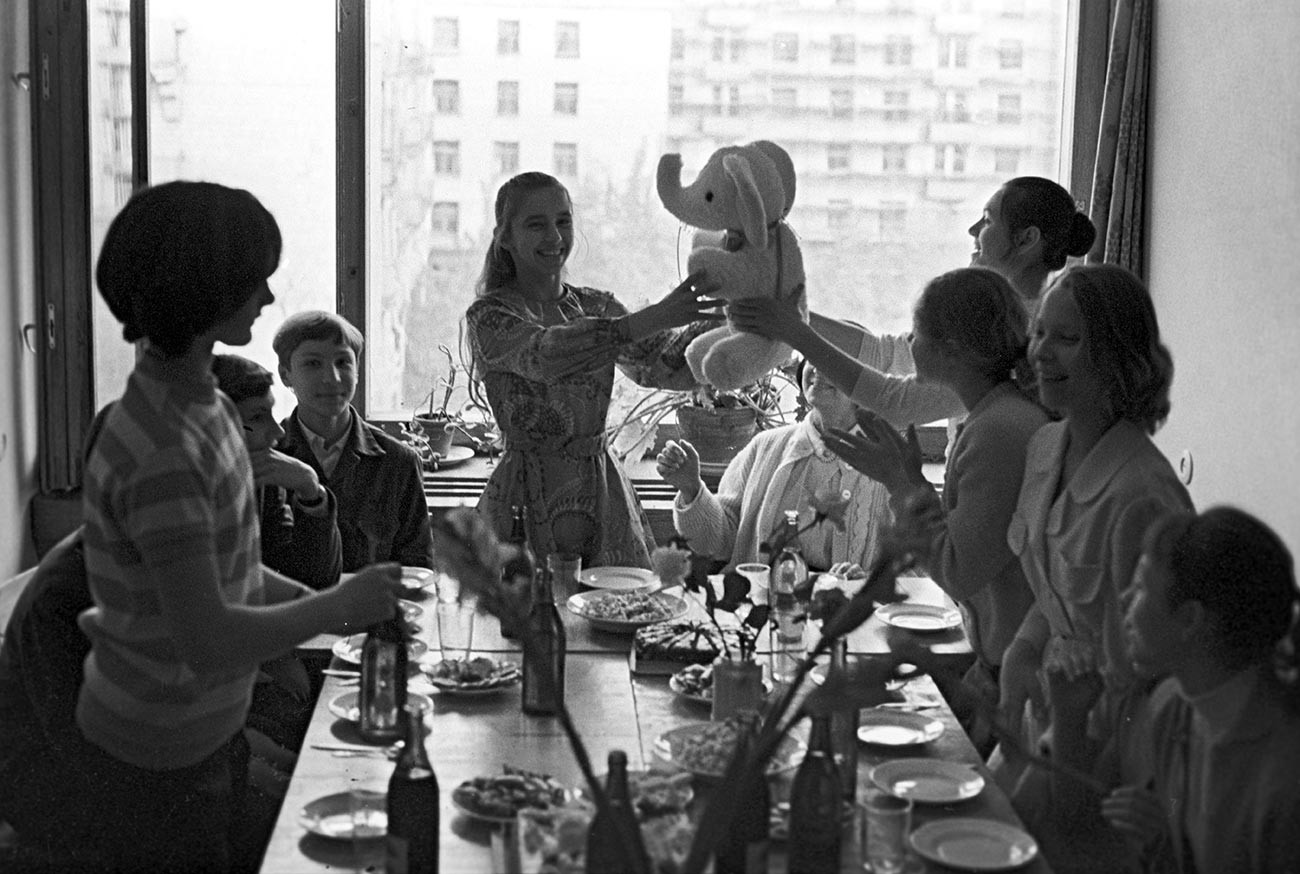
548	369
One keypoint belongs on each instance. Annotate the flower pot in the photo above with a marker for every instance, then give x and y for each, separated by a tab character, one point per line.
717	433
439	431
737	686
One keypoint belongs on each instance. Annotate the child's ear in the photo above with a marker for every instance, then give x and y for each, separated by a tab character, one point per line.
284	376
1028	237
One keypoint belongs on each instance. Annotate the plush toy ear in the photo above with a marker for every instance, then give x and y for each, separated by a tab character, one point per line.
749	203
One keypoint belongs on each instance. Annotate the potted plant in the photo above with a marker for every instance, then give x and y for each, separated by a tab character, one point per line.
717	423
433	430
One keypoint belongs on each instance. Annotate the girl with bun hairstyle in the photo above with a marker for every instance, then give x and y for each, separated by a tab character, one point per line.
1026	231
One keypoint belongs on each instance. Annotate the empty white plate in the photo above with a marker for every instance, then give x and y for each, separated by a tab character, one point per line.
618	579
919	617
928	781
974	844
897	728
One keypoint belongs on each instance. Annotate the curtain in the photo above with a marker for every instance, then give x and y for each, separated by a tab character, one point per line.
1119	174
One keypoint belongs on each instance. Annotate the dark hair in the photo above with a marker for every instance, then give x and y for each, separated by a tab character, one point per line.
314	325
976	310
182	256
498	264
1242	573
1123	340
1032	201
241	378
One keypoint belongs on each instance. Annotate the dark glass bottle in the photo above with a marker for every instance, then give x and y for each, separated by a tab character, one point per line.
413	823
614	842
745	848
543	690
382	693
815	805
523	564
844	728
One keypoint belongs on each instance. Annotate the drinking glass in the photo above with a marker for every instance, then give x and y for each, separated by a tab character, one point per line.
884	821
758	575
566	575
788	624
369	809
455	630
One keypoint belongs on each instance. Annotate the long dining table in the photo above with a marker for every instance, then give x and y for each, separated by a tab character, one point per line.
613	708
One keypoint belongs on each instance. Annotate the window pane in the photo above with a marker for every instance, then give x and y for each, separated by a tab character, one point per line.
229	105
894	162
109	31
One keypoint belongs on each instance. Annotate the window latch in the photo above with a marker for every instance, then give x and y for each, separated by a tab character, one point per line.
49	325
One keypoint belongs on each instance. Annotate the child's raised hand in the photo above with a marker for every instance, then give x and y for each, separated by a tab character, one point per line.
766	316
678	464
370	595
1135	812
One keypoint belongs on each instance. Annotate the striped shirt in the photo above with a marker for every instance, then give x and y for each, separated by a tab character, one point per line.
168	479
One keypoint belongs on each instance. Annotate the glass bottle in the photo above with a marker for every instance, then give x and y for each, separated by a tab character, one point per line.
543	686
523	564
413	823
815	806
789	569
745	848
844	728
614	842
382	693
789	615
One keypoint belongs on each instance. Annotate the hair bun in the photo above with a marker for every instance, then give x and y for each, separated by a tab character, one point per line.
1082	235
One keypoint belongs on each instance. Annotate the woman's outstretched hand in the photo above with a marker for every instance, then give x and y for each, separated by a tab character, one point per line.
688	302
878	451
767	317
679	466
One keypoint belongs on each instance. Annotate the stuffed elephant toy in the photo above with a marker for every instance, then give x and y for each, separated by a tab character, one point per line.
745	192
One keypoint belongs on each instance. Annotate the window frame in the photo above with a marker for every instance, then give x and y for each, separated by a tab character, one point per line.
61	185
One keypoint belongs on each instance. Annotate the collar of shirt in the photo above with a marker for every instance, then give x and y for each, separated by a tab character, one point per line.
327	454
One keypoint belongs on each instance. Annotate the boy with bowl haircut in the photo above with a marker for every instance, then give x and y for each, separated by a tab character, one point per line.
377	480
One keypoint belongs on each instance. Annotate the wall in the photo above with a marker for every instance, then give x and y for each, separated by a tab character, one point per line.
17	299
1225	247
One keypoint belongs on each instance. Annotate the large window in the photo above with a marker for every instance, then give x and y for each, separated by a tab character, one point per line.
441	107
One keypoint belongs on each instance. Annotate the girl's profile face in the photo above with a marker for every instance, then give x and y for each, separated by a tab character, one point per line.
1151	630
993	244
1068	381
540	234
927	354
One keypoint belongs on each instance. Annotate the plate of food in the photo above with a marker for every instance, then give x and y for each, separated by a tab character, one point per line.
625	612
416	578
919	617
348	704
897	728
695	684
498	799
330	816
704	749
349	648
619	579
477	676
928	781
974	844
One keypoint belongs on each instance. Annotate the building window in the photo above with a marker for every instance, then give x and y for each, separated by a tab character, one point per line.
1008	109
950	159
1006	162
446	217
507	98
507	36
566	98
898	51
839	214
566	39
841	103
446	96
1011	55
1013	8
446	34
733	100
954	51
893	220
896	106
844	48
566	159
838	156
678	50
893	158
507	158
954	107
785	47
716	108
718	48
446	157
737	50
676	99
784	100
